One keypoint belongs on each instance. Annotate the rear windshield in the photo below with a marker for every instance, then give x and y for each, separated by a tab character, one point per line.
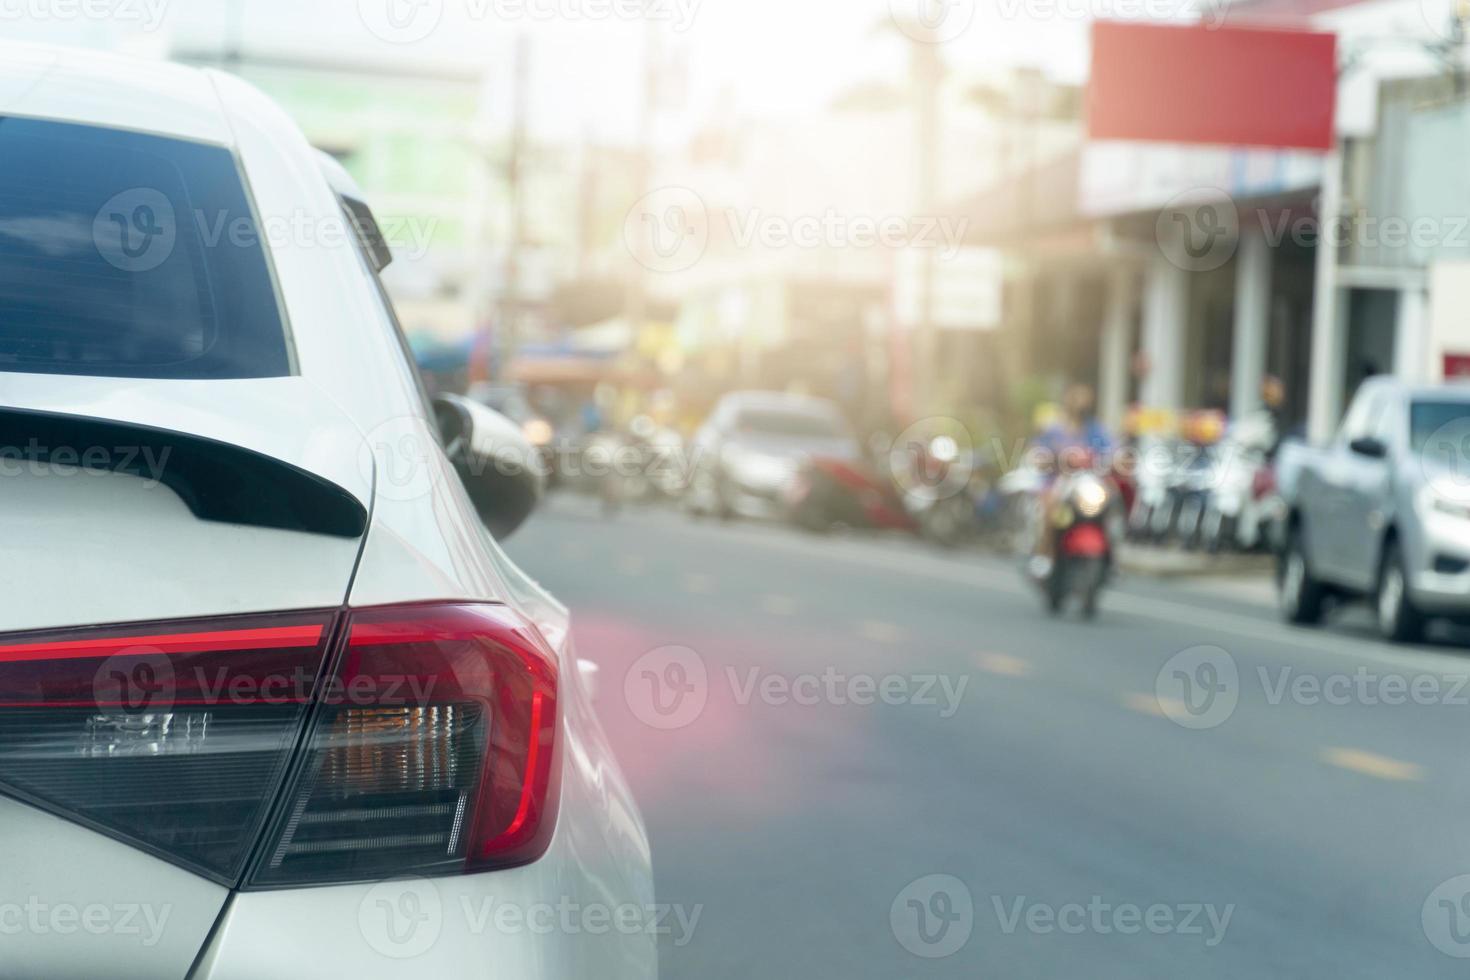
129	255
769	422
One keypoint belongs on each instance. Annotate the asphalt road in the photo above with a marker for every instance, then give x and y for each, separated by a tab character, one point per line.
866	758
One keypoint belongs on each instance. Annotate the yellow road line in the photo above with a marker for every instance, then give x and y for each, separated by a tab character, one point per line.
1003	664
1148	704
1371	764
878	631
779	605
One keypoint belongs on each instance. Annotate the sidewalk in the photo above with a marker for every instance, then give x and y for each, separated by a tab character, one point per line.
1246	577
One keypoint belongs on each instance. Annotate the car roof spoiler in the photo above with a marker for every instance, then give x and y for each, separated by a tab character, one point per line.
216	480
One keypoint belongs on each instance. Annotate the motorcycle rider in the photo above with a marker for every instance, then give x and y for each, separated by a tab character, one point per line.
1077	440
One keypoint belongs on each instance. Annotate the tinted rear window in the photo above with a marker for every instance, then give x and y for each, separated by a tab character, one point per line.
129	255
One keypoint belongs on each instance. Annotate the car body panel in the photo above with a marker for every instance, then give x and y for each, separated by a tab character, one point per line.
355	415
46	82
289	419
75	905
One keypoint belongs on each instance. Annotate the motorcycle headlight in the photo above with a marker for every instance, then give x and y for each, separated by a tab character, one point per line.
538	432
1091	497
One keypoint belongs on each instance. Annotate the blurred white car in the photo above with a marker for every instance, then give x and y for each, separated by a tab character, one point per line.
273	703
747	456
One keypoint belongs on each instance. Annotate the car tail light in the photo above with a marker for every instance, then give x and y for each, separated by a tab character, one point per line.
294	749
172	736
432	752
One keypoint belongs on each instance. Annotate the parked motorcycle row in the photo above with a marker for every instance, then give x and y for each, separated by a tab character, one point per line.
1217	498
793	459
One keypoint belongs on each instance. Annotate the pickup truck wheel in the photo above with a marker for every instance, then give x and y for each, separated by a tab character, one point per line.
1301	595
1398	620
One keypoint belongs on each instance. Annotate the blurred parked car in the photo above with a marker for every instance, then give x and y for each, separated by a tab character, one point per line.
747	456
1384	512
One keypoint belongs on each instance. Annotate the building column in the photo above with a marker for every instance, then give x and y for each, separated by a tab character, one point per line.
1165	311
1411	335
1252	322
1116	351
1329	312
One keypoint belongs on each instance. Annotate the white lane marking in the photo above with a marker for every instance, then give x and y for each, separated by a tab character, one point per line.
1372	764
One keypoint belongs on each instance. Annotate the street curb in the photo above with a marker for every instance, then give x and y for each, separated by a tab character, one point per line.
1166	563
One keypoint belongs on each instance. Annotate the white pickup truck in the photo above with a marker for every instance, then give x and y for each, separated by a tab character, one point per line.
1383	513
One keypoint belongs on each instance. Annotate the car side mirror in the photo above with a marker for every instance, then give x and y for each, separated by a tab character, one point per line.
499	466
1370	447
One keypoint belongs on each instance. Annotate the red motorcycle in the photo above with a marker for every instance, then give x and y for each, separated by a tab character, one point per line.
1080	519
922	492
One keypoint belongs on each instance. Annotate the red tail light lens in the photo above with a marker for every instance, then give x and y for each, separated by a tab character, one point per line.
431	752
294	749
175	737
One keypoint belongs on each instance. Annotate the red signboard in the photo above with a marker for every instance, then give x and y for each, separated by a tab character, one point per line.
1230	86
1457	367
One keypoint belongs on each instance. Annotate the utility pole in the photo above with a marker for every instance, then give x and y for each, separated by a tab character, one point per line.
927	70
510	301
636	302
234	34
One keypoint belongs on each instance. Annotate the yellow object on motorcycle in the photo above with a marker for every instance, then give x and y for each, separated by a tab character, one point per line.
1062	516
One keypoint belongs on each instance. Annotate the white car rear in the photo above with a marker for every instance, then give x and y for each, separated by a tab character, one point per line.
273	703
